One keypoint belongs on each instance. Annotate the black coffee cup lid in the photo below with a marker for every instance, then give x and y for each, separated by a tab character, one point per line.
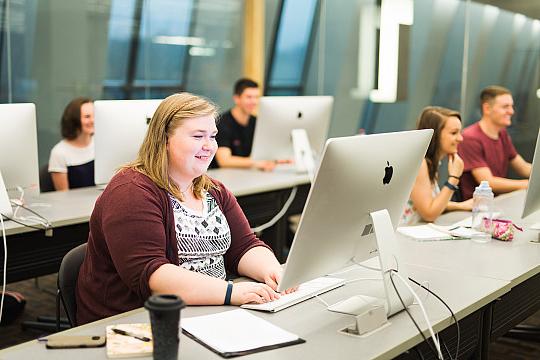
164	302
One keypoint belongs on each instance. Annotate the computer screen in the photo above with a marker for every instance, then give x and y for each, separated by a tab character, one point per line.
279	115
5	205
532	200
120	127
18	146
357	176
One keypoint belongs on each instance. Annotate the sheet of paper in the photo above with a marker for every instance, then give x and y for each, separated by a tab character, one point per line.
423	232
236	330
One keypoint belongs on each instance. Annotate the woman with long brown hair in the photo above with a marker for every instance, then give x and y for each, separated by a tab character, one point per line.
427	200
162	226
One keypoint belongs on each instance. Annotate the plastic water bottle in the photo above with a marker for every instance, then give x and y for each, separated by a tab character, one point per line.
482	212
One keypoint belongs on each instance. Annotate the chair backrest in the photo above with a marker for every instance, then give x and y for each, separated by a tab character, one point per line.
67	281
45	181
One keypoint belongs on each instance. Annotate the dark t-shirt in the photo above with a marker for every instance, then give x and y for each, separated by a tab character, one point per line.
236	137
81	175
479	150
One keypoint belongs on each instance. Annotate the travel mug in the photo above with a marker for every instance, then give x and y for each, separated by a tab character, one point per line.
165	321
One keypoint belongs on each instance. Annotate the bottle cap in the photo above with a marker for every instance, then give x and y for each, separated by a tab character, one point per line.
483	188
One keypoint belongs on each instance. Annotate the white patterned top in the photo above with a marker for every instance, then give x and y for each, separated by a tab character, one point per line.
202	239
410	216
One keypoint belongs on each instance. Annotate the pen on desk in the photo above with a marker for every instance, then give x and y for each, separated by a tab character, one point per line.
133	335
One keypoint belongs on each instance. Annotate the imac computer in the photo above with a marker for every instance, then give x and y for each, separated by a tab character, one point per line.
5	205
354	205
18	147
532	200
292	127
120	127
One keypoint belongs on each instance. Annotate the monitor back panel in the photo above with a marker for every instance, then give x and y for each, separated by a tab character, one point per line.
121	126
279	115
532	201
18	146
358	175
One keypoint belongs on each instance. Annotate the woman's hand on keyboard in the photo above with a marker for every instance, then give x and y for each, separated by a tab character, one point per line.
273	278
251	292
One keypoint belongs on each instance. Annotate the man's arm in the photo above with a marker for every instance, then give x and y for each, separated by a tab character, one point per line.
226	159
520	166
498	184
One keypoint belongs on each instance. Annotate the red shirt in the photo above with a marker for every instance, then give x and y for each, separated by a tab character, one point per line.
479	150
132	233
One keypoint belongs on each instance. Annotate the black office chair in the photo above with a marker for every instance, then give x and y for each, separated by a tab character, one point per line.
67	283
65	294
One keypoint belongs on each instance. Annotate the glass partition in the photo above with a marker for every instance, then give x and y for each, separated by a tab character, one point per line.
52	51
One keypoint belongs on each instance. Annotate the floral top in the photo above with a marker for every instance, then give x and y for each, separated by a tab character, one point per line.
410	216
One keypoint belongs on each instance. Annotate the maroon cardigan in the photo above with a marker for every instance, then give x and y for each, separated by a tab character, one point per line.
132	233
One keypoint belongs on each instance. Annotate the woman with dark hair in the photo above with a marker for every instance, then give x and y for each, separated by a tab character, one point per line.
71	163
427	200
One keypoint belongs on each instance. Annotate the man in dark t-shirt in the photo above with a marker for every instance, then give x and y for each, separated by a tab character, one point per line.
236	128
487	149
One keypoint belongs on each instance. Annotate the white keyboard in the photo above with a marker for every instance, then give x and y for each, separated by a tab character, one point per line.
305	291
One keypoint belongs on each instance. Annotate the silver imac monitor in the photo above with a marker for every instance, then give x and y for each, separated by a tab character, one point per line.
5	205
279	115
18	146
120	127
532	200
359	178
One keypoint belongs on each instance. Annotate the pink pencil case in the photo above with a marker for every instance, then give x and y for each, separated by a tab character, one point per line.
503	229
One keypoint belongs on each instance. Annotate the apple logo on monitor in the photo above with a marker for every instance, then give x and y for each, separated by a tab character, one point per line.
299	116
388	172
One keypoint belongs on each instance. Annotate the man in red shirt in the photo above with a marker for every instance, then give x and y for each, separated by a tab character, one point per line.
487	149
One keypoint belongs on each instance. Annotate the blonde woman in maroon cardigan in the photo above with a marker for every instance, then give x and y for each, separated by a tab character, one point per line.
163	226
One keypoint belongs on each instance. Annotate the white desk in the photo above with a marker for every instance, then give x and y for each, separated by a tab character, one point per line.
249	182
319	327
517	262
63	208
513	261
260	194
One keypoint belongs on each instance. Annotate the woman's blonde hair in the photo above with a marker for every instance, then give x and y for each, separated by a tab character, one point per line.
152	159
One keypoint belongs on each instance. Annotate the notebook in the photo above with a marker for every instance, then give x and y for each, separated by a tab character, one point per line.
432	232
125	346
237	332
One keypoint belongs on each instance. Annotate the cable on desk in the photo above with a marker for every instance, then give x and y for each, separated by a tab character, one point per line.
40	218
448	307
27	225
365	266
435	351
280	214
5	266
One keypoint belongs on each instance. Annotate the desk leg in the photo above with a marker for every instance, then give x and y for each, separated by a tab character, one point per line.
485	339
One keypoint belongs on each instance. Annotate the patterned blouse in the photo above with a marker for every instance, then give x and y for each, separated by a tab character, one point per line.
203	238
410	216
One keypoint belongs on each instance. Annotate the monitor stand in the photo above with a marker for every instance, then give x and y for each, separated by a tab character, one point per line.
365	307
303	155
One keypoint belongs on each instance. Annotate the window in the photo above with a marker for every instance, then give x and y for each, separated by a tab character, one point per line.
294	33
